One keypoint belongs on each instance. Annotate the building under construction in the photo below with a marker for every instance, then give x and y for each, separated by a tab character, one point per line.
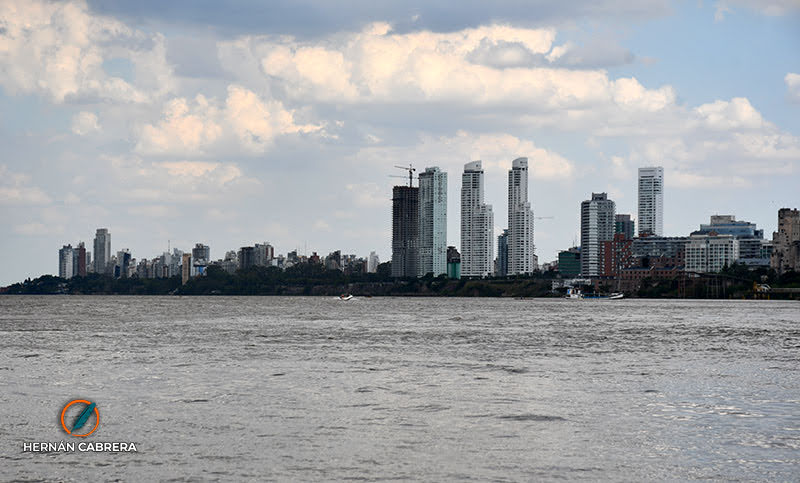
405	231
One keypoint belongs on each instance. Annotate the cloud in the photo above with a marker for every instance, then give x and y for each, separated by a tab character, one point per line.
84	123
495	150
737	113
38	229
201	182
773	8
15	189
246	122
58	50
792	81
468	67
152	211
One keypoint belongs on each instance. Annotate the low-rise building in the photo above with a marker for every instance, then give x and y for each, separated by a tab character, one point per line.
569	262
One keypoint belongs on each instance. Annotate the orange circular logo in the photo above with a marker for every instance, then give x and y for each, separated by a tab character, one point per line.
82	418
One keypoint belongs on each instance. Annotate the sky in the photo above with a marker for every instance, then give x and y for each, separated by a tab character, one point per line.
230	123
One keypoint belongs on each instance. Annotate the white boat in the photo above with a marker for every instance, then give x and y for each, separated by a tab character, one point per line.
575	293
345	296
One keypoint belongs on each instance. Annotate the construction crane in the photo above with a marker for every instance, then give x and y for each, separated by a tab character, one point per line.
410	170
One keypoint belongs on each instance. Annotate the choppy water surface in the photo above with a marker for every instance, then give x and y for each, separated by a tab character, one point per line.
403	388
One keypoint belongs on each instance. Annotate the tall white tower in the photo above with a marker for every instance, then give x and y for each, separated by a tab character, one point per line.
520	220
651	201
432	222
477	224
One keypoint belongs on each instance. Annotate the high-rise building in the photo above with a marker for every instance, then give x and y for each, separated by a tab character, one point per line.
521	258
432	222
247	257
186	267
501	267
264	254
477	224
123	263
623	224
372	262
79	269
651	201
786	242
405	231
102	250
65	262
597	226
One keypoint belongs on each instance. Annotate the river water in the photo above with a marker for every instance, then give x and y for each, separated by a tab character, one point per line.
432	389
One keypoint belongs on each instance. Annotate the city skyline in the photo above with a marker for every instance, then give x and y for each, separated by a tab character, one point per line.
417	224
235	127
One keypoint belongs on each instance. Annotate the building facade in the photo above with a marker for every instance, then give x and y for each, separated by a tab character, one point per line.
102	250
432	222
186	267
617	255
651	201
405	231
65	261
753	249
79	269
624	225
477	224
521	258
501	267
453	263
662	251
597	227
785	255
711	253
569	262
372	262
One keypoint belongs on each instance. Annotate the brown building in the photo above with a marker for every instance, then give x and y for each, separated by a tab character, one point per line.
617	255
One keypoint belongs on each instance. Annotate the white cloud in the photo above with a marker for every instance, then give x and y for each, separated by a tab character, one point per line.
58	50
245	122
15	189
84	123
792	81
470	67
495	150
737	113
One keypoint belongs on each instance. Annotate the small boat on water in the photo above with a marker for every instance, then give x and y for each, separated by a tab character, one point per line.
345	296
575	293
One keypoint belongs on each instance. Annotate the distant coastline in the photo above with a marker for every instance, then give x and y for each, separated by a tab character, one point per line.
316	281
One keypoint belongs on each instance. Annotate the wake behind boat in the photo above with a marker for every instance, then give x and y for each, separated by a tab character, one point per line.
345	296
